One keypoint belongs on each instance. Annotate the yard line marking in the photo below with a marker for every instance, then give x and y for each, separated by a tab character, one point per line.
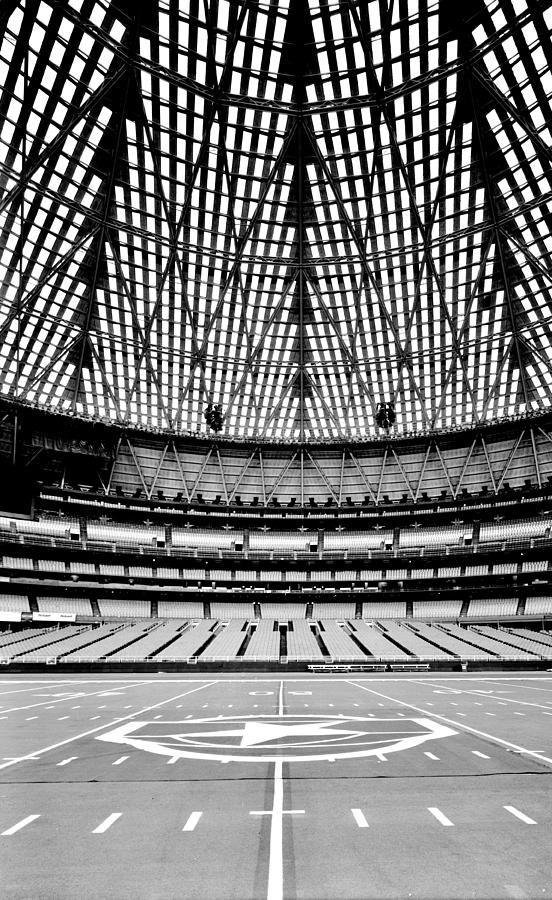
94	717
494	714
461	725
192	821
430	755
520	815
172	760
482	755
439	816
64	762
107	823
281	699
516	713
488	696
49	704
20	825
61	718
276	857
360	818
119	761
30	718
106	725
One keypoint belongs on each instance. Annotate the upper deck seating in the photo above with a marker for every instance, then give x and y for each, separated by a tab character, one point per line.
132	535
436	609
180	609
128	609
504	606
283	610
14	603
384	609
358	541
535	606
281	540
208	539
449	535
333	610
232	610
517	529
78	605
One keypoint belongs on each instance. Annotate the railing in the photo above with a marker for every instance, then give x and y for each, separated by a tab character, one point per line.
197	660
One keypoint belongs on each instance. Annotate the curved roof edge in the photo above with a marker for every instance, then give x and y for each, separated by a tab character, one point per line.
53	423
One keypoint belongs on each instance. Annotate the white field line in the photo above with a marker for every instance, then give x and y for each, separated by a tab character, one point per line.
481	755
276	861
20	825
488	697
119	761
461	725
46	686
65	699
281	699
107	823
520	815
192	821
439	816
360	818
106	725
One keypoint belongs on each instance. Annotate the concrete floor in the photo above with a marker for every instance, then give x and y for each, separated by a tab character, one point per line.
257	787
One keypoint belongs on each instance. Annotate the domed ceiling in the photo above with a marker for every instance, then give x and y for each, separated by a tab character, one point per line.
294	209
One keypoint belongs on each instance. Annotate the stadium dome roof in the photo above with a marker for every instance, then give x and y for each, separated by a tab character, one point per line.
296	209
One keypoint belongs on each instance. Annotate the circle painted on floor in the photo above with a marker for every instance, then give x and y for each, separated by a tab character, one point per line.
287	738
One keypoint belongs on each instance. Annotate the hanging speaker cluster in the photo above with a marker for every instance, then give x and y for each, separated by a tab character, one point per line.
385	415
213	416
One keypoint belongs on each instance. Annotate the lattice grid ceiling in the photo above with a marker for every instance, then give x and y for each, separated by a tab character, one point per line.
296	209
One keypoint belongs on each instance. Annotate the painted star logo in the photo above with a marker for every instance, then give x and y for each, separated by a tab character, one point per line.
272	738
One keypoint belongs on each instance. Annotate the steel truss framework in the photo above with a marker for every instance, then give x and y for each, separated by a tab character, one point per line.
294	209
442	467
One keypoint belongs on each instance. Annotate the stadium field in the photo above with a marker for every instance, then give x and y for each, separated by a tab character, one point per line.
298	787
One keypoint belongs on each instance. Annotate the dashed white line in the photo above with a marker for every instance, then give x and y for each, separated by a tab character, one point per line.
65	762
439	816
360	818
481	755
107	823
61	718
430	755
192	821
520	815
19	825
113	722
119	761
30	718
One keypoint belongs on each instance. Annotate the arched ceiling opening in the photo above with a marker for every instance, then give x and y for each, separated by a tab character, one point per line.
296	209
